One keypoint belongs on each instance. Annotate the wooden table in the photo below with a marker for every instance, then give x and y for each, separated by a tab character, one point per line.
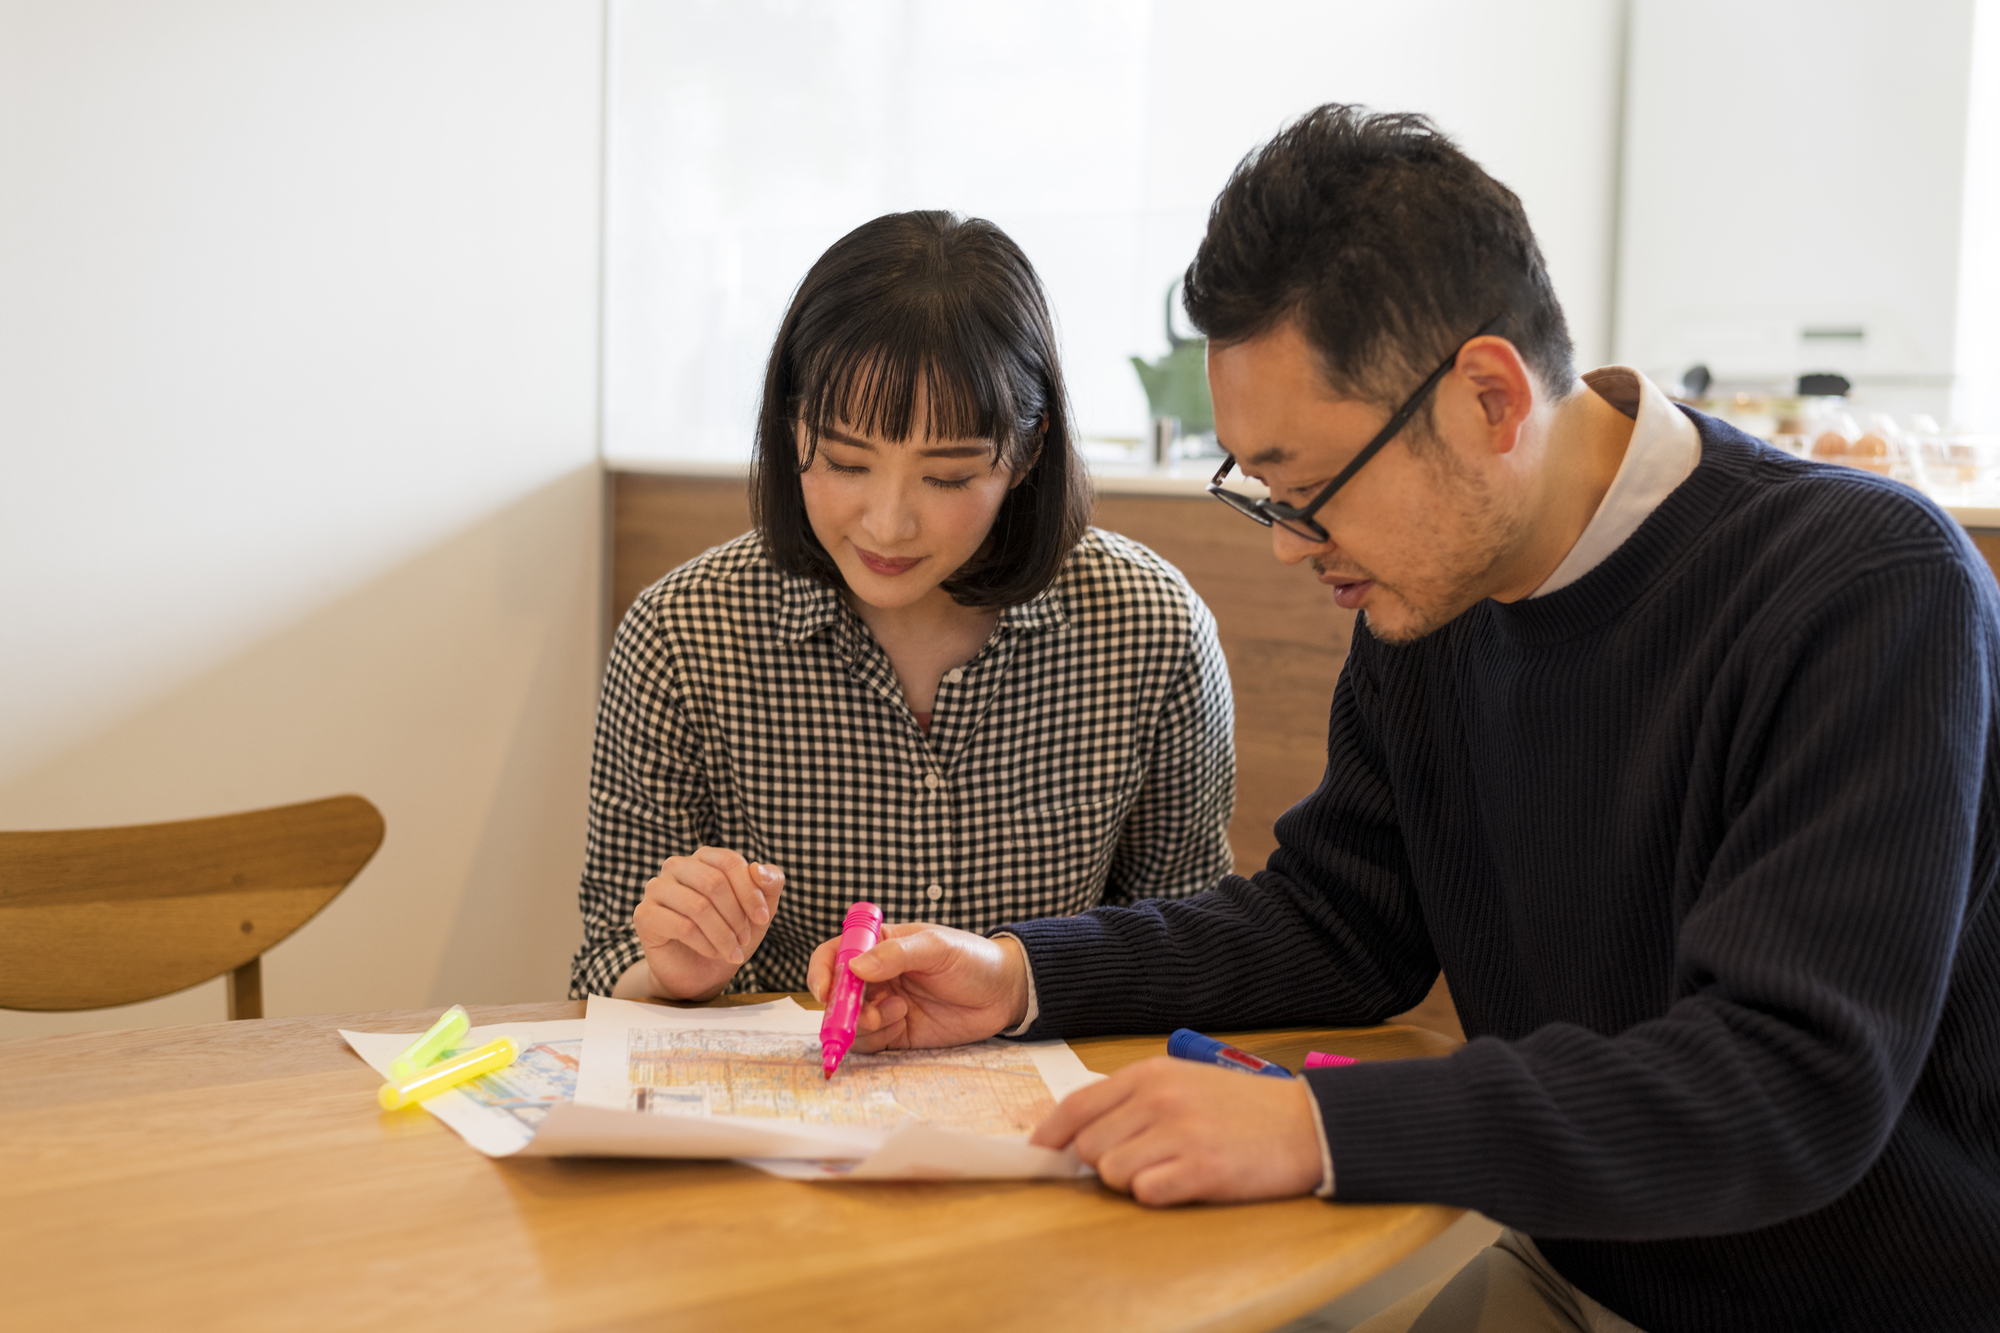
239	1176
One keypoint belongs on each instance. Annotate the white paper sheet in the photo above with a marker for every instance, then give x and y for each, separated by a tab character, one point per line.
801	1128
500	1112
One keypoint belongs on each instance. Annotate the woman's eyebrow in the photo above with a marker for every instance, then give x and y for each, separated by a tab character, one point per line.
941	451
841	437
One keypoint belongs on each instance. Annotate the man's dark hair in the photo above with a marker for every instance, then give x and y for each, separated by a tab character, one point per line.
1385	243
950	304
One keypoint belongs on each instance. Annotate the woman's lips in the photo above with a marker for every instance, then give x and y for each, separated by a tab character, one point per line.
882	564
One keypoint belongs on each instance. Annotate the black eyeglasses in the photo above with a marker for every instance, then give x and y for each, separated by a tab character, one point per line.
1300	521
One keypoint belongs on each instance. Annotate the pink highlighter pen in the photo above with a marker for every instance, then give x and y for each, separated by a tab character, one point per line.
843	998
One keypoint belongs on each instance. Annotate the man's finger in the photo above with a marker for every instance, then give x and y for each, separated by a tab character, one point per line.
819	970
1112	1133
1078	1109
883	1011
919	951
893	1032
1133	1156
1166	1182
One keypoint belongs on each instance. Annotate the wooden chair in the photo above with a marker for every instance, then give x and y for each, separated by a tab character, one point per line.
96	917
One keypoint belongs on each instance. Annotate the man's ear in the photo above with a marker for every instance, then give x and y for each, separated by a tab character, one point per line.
1493	391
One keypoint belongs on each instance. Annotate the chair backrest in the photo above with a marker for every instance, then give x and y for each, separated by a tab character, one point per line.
104	916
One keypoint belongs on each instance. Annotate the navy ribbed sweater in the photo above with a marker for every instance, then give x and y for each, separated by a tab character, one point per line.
1706	842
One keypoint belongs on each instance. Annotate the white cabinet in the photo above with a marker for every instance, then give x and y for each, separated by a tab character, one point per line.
1793	190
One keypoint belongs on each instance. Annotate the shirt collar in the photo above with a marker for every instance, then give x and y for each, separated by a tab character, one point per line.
1661	455
1044	610
805	606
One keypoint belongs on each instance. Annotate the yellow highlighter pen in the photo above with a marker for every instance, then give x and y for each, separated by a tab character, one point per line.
448	1074
446	1033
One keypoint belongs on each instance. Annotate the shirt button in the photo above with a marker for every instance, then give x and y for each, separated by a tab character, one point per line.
933	781
934	892
955	675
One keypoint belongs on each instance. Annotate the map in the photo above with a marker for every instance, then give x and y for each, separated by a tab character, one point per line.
541	1075
988	1088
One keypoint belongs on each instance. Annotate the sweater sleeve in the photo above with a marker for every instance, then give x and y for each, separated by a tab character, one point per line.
1812	961
649	798
1330	934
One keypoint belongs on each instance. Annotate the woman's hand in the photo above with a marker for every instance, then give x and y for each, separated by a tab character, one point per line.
702	917
931	986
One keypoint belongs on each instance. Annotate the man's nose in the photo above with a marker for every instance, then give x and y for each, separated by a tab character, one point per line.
1291	548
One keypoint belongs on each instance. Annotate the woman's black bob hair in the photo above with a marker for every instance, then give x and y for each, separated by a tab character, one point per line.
950	304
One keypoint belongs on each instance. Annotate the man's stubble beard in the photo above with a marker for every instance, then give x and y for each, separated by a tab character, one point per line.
1462	575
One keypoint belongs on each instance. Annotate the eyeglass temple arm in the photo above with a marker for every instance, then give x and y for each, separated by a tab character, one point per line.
1400	420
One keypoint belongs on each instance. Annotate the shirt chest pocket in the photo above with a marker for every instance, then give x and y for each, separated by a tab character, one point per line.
1065	853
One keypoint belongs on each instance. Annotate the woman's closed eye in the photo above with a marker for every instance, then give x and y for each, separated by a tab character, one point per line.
855	470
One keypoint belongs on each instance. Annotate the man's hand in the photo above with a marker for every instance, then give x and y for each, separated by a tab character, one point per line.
1172	1131
931	986
702	916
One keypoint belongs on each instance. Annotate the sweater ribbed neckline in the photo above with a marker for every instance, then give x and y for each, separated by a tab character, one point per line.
1639	563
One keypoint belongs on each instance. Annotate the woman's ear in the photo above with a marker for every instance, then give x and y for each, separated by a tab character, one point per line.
1034	455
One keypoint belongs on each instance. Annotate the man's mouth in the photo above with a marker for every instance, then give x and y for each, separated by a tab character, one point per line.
1349	590
888	566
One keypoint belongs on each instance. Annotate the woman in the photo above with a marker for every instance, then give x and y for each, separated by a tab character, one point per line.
922	680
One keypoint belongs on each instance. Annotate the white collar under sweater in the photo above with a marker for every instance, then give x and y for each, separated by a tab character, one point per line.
1664	449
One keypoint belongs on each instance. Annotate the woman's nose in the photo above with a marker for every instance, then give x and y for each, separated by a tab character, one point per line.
891	517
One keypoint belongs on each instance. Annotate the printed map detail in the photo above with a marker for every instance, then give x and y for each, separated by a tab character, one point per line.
541	1076
991	1088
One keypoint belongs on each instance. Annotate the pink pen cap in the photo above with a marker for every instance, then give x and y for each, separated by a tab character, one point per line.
843	997
1321	1060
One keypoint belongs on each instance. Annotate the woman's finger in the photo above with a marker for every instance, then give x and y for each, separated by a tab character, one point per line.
754	893
771	886
719	886
658	926
702	910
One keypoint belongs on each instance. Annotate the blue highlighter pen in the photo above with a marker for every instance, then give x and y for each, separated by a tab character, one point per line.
1189	1045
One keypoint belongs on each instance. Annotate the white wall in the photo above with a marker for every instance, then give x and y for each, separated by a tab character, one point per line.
746	137
298	479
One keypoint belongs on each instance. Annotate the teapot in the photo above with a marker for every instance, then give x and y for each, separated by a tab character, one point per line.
1177	384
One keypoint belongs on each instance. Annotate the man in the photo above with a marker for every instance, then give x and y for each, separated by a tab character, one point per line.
1676	753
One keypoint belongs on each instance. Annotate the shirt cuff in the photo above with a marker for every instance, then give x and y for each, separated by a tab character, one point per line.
1325	1190
1034	1005
634	983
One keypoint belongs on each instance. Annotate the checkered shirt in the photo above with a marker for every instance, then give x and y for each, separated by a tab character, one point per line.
1084	756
